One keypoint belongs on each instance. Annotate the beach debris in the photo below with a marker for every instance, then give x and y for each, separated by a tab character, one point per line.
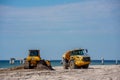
22	61
102	60
12	60
116	62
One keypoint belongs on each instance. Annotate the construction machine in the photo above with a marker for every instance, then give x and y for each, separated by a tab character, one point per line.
34	60
77	58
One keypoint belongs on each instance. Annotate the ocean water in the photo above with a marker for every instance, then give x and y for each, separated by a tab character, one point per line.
6	64
93	62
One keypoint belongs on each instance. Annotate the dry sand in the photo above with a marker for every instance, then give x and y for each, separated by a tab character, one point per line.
96	72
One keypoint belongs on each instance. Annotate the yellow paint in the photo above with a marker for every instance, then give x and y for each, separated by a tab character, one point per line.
78	59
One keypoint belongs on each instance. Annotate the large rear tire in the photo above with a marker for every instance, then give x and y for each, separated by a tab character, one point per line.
85	67
72	65
26	65
65	64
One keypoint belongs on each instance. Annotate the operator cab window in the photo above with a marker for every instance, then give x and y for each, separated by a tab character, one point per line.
77	52
34	53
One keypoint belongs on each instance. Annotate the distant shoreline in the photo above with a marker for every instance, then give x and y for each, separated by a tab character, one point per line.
6	64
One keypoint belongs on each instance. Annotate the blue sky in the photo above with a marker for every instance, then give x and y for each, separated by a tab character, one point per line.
55	26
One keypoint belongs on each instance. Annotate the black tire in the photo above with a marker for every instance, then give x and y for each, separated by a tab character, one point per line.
72	65
65	64
85	67
26	65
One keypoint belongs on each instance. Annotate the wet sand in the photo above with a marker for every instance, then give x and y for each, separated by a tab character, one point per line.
94	72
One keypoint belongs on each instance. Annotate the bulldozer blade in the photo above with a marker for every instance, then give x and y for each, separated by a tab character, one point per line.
43	66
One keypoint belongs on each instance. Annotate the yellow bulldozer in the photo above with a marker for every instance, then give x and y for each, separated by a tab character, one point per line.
34	60
77	58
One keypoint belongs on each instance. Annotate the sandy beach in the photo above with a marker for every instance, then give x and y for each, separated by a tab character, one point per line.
94	72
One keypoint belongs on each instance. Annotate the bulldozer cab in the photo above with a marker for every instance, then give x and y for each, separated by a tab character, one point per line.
34	53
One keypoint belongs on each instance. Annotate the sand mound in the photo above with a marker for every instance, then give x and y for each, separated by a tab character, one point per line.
43	67
39	67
